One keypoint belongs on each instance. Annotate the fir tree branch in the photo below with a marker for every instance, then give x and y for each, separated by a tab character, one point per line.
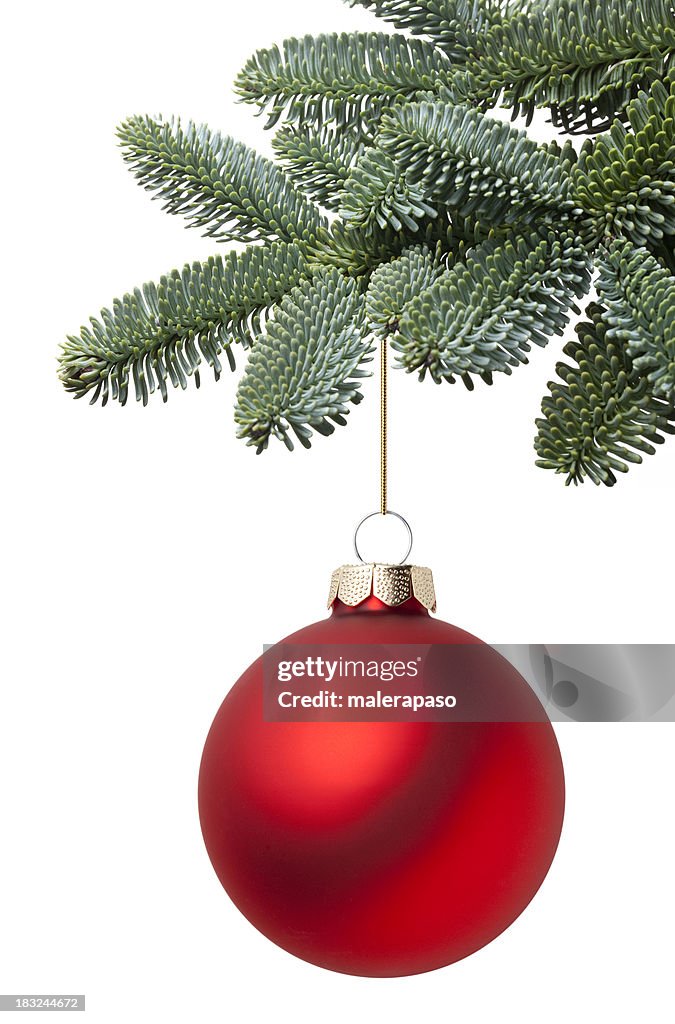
376	193
483	315
161	333
347	79
352	251
318	161
451	25
305	372
216	183
460	238
584	60
393	286
604	415
458	158
627	178
640	298
357	251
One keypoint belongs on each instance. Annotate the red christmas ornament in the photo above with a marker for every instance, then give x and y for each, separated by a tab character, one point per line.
382	848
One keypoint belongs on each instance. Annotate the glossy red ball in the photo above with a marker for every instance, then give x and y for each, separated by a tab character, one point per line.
379	848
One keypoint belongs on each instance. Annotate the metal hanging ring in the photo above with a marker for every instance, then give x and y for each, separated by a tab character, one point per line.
396	516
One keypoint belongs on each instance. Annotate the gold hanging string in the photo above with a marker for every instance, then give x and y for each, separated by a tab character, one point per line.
384	510
383	427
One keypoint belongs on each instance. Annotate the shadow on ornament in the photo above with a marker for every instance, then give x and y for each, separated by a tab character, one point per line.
599	682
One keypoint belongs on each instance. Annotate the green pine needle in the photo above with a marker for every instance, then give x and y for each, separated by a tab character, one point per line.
484	314
430	154
582	59
160	334
216	183
318	161
393	286
604	416
627	178
452	25
303	375
375	194
347	79
640	298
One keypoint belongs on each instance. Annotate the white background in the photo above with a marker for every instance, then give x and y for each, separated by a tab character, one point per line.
147	555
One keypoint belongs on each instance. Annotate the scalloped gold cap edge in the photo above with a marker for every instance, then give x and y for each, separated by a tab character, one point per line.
391	584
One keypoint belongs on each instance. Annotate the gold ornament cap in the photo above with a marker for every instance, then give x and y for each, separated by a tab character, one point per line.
391	584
